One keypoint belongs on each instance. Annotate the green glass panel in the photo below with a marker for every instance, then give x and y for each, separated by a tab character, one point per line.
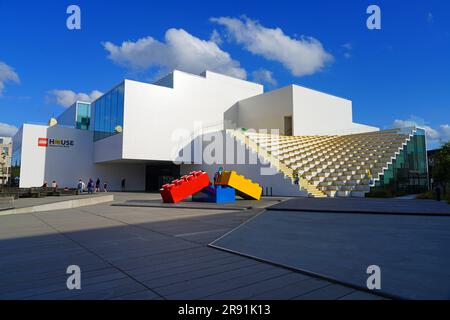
408	173
83	116
108	113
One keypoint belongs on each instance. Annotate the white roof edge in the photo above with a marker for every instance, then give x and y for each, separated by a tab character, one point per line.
315	90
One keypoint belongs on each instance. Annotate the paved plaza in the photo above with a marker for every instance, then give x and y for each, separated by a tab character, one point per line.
143	253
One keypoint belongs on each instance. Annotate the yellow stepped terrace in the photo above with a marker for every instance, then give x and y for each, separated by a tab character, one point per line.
329	166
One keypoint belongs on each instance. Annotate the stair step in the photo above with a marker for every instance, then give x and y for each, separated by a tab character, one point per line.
330	165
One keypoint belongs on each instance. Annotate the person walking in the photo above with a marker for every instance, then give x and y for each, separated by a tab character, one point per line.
97	185
54	184
90	186
296	178
105	187
370	176
81	186
123	184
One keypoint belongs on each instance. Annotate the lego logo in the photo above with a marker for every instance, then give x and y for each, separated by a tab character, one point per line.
43	142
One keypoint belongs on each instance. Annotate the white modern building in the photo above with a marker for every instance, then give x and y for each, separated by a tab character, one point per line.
149	134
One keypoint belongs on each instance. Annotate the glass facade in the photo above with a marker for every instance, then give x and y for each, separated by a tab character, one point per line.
108	113
408	173
83	120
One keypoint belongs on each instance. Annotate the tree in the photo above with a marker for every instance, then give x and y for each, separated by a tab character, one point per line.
441	170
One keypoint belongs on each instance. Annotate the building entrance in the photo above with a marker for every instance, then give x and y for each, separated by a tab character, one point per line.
288	126
158	175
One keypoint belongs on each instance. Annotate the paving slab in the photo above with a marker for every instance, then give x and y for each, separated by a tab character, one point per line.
127	253
412	251
293	290
249	291
330	292
365	205
27	206
189	204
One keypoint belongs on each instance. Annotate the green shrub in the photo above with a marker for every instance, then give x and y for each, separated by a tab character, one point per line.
426	195
380	193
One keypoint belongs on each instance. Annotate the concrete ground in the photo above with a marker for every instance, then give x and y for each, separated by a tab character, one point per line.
142	253
30	202
411	251
366	205
340	238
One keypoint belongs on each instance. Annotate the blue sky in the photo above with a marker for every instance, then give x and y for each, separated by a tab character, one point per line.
397	75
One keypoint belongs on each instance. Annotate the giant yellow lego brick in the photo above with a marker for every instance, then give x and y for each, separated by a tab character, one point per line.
245	188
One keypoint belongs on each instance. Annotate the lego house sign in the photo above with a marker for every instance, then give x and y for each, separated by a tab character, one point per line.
57	143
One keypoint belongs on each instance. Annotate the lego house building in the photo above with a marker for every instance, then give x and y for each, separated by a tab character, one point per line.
293	141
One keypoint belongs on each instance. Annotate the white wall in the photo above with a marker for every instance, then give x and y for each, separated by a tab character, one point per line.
247	164
32	170
266	111
68	117
361	128
317	113
108	149
313	112
153	113
67	165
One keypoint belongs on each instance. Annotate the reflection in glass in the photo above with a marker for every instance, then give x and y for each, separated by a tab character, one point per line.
108	113
83	119
408	173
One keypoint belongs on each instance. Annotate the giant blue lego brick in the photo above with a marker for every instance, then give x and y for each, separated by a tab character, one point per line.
218	194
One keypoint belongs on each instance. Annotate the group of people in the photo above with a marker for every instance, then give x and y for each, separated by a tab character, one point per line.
94	187
54	185
91	187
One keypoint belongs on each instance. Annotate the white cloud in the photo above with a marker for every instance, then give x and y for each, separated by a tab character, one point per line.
445	128
304	56
264	77
7	130
7	74
435	136
432	134
180	50
66	98
216	38
347	48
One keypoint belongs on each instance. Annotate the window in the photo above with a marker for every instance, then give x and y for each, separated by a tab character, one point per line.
5	151
83	116
408	173
108	113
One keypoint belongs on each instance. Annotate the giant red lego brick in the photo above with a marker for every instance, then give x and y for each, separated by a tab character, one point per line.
185	187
